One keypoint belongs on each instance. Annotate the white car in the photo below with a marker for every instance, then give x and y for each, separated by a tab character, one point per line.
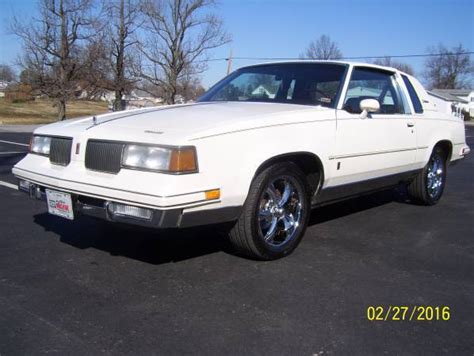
259	150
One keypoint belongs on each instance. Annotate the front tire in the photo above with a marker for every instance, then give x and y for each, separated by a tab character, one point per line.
275	214
428	186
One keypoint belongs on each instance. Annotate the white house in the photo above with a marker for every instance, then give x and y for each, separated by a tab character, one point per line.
105	95
455	100
140	99
3	87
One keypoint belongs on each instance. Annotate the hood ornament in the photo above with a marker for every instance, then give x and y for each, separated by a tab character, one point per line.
94	120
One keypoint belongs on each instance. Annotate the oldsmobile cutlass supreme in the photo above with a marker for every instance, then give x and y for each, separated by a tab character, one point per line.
260	149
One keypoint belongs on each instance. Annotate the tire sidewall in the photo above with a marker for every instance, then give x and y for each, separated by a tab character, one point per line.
430	200
272	173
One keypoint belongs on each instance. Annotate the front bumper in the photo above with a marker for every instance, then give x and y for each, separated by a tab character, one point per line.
110	187
160	218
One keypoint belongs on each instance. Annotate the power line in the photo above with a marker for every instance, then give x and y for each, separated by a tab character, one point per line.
413	55
342	58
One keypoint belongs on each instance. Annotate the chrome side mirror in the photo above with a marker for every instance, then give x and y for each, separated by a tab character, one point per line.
369	106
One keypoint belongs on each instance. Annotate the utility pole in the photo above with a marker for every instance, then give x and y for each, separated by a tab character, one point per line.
229	62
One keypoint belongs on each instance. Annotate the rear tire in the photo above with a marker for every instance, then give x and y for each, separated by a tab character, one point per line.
275	214
428	186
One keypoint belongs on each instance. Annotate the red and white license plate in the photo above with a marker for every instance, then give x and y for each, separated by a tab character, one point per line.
60	204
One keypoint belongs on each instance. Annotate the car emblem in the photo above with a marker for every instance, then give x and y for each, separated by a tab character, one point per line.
94	120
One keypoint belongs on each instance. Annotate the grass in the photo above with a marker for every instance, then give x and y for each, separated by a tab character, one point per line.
41	111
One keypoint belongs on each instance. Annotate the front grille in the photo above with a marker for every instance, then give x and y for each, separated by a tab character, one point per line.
60	151
104	156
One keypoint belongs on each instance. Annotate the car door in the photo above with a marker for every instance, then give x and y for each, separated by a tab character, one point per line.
383	143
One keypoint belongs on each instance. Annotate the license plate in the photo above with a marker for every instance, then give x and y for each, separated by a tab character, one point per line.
60	204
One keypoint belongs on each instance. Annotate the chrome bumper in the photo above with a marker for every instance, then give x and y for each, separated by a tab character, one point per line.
171	218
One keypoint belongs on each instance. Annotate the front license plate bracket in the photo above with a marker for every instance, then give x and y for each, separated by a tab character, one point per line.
60	204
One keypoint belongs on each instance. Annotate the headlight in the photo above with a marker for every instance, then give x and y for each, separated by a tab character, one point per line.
40	145
157	158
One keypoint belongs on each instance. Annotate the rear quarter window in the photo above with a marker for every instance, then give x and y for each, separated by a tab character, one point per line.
413	95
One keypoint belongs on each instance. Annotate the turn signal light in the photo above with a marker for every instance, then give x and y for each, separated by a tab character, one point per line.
213	194
183	160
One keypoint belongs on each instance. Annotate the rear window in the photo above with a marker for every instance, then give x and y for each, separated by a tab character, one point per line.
413	96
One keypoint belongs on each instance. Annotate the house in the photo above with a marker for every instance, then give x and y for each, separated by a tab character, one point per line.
143	95
140	99
104	95
455	100
3	87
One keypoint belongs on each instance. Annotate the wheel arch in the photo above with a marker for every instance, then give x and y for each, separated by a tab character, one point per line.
309	163
446	146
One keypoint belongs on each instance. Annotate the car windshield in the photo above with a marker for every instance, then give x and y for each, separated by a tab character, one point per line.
291	83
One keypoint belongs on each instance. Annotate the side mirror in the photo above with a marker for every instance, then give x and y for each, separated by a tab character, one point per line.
368	106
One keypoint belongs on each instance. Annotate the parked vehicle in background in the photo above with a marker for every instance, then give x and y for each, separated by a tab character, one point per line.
259	150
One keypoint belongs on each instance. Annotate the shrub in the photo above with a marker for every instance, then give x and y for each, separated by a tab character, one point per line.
18	93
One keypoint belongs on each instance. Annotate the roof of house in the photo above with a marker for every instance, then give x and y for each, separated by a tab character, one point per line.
451	94
455	92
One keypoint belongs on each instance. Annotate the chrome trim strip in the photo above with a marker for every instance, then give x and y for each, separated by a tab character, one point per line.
122	115
373	153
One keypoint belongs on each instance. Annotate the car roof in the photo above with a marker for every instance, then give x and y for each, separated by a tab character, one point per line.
349	63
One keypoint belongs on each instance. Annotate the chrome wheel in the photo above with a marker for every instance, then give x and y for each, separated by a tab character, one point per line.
435	177
280	211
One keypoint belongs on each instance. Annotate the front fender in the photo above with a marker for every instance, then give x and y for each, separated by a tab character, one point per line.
235	158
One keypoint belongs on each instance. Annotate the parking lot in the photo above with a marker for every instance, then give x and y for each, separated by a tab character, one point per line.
89	287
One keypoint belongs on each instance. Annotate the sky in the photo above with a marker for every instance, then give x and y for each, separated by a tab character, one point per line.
279	28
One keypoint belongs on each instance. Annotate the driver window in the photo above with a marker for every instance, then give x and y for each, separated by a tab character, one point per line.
368	83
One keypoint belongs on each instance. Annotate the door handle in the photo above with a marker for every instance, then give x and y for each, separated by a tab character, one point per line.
410	124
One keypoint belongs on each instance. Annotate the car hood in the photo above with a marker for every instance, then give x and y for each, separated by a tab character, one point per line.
184	123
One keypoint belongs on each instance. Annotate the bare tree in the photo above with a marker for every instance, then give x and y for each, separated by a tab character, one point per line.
190	88
389	62
29	77
6	73
96	75
53	47
322	48
179	36
123	19
449	69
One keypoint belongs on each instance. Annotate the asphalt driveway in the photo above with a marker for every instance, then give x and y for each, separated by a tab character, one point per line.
89	287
